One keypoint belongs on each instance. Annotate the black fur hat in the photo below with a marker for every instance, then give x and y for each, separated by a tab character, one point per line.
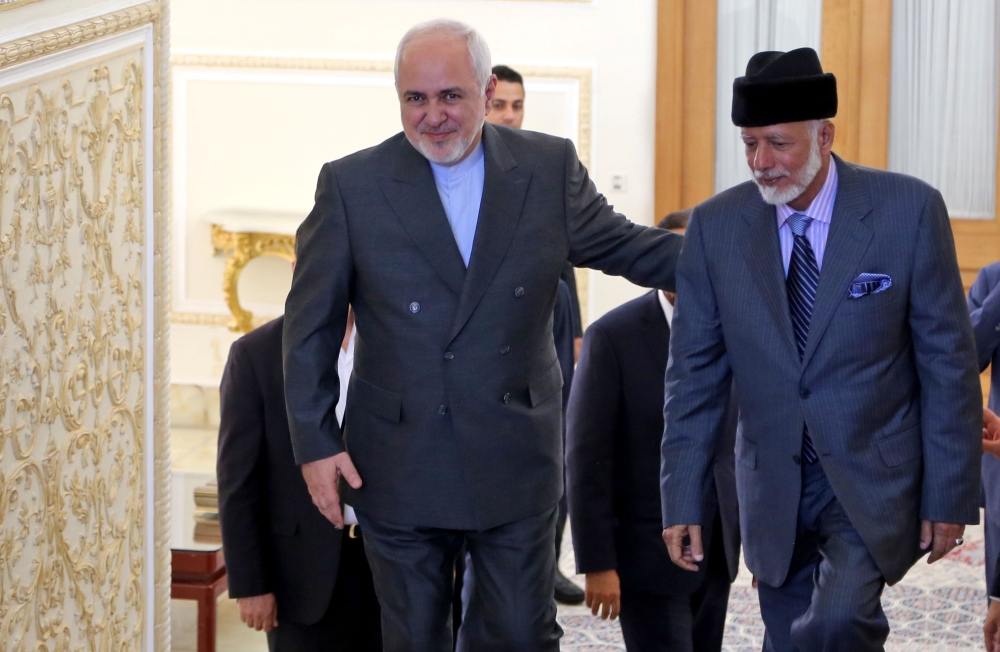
784	87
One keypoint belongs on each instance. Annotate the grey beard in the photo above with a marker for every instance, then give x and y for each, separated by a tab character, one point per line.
449	156
776	196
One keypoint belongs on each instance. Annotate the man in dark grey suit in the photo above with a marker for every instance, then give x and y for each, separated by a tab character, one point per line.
448	241
831	294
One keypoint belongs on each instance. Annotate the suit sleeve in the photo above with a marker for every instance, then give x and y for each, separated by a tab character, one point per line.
697	387
242	508
602	239
984	310
315	321
945	354
591	427
995	584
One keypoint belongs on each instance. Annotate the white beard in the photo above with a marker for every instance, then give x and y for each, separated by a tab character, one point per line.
776	196
445	155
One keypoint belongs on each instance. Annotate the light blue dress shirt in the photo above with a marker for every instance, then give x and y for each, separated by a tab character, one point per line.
821	210
460	187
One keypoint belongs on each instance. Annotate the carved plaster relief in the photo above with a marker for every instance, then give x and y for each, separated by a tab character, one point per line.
73	398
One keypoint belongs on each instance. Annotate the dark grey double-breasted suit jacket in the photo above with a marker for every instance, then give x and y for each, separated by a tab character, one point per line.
454	410
887	384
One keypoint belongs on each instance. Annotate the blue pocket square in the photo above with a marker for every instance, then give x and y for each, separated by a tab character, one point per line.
866	284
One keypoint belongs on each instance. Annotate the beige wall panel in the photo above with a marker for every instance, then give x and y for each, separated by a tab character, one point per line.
83	387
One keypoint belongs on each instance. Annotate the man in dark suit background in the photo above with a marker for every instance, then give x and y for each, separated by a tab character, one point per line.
984	310
831	294
448	241
294	575
614	429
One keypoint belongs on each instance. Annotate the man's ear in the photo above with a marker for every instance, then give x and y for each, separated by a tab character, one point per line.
826	135
491	91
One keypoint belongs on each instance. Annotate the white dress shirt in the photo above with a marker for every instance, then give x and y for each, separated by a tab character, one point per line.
345	367
460	187
668	310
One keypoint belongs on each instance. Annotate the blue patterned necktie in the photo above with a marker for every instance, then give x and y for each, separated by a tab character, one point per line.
803	277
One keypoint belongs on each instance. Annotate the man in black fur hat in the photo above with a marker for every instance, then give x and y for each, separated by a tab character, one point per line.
831	295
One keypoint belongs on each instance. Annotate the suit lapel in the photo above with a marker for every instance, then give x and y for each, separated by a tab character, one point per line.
762	251
414	198
846	244
504	189
655	330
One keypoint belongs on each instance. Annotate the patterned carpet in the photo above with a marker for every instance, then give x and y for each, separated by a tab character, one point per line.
936	608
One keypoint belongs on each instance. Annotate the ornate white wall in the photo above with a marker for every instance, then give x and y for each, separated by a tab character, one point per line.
84	563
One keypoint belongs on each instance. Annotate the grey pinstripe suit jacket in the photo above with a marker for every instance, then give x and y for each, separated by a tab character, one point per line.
454	410
887	384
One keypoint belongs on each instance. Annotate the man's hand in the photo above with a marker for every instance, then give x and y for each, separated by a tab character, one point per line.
991	433
991	630
259	612
684	555
941	538
322	477
604	592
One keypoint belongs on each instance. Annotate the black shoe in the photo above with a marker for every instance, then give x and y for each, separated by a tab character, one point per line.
566	591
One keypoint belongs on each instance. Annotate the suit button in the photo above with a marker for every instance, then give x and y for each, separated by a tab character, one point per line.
504	350
443	409
519	292
796	459
507	397
804	393
414	307
448	355
997	329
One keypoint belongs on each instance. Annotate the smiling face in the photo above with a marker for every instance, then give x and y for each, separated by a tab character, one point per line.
508	105
789	160
442	104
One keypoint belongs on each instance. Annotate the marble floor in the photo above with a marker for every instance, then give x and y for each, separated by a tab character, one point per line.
936	608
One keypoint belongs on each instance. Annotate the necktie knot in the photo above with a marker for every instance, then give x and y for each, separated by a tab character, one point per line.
799	223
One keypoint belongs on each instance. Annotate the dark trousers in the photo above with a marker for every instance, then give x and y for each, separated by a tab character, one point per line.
352	622
681	623
511	607
831	599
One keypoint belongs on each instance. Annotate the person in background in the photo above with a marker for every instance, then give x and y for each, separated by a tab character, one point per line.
294	575
984	310
614	429
991	630
508	101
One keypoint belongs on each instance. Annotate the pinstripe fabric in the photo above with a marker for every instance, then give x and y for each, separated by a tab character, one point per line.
821	212
803	279
887	384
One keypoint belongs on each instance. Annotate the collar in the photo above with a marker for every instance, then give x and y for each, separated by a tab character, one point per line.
348	355
821	208
452	173
668	310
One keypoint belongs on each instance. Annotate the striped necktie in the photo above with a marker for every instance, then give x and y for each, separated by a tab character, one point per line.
803	277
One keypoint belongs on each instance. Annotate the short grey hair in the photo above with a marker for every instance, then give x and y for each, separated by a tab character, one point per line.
479	52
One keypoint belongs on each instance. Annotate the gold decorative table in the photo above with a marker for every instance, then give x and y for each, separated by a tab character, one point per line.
243	235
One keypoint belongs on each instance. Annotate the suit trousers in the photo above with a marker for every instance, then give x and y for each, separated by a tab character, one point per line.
352	622
511	606
681	623
831	599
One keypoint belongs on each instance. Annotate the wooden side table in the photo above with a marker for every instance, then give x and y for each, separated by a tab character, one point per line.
200	575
